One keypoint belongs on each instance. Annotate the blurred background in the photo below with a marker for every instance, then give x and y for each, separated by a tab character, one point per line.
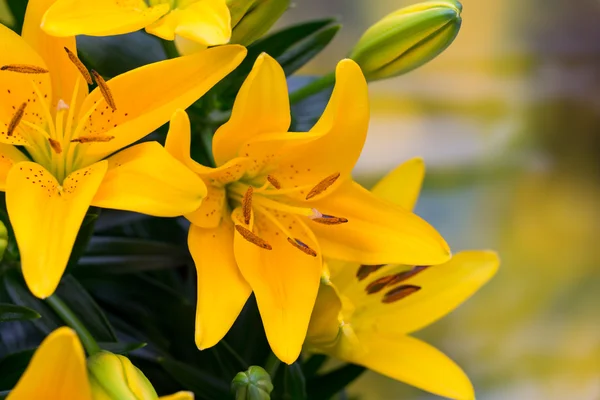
508	122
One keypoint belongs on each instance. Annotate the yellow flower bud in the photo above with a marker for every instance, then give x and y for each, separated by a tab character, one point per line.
251	19
407	38
114	377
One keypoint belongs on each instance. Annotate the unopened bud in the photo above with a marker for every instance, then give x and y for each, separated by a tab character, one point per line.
407	38
3	239
114	377
253	384
251	19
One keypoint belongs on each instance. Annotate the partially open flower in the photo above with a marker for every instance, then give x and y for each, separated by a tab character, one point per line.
250	19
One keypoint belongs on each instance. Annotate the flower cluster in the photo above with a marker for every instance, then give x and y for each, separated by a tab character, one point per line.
273	213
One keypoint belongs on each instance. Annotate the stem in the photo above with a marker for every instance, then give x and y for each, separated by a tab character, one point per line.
170	48
272	365
314	87
65	313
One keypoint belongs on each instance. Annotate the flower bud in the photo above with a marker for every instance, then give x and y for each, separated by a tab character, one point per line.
253	384
3	239
407	38
114	377
250	19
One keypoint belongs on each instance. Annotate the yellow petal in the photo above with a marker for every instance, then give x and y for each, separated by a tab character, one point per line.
145	178
261	106
62	71
205	21
178	396
442	289
57	370
222	291
403	185
46	218
18	88
324	325
146	97
339	134
9	155
414	362
100	17
285	280
377	232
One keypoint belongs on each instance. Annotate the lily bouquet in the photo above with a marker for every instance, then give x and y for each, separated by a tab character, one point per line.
179	214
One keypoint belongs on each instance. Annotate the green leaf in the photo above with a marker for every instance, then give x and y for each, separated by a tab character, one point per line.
86	309
323	387
290	383
201	383
312	365
305	50
11	312
121	255
83	237
17	8
12	367
121	348
20	295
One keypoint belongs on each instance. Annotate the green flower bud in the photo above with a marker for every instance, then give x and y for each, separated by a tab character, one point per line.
254	384
250	19
3	239
114	377
407	38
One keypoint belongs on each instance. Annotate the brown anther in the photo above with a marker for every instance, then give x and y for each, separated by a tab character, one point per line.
302	246
16	118
402	276
82	69
366	270
378	284
105	90
24	69
323	185
273	181
399	292
92	139
253	238
247	205
55	144
330	220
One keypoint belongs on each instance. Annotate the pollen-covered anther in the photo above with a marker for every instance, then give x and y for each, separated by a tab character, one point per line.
24	69
323	185
92	139
253	238
55	144
16	118
105	90
273	181
330	220
297	243
365	270
399	292
247	205
82	69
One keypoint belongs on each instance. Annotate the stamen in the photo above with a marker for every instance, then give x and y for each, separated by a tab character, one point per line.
55	144
323	185
82	69
297	243
14	122
252	238
366	270
24	69
402	276
247	205
92	139
105	90
399	292
273	181
378	284
330	220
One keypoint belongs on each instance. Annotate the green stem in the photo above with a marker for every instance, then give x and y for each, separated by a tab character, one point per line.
65	313
314	87
170	48
272	365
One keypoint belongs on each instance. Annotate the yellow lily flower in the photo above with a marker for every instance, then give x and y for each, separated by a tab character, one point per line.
58	371
68	134
365	313
207	22
278	201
